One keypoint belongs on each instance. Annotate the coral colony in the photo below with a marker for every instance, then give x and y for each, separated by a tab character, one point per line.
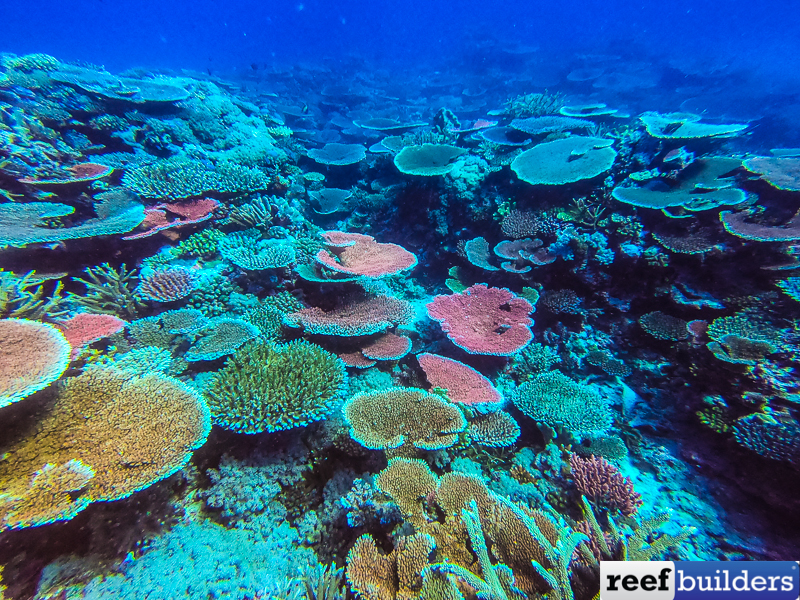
380	346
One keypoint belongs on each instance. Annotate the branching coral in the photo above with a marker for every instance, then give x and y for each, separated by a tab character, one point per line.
109	290
264	387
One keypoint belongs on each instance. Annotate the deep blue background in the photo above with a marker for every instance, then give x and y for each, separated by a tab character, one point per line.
235	33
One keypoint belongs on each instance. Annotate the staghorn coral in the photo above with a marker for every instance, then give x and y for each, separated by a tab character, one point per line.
24	297
32	356
130	431
265	387
109	290
403	417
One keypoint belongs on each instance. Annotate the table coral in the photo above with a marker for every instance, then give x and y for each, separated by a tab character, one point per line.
398	417
129	431
484	320
32	355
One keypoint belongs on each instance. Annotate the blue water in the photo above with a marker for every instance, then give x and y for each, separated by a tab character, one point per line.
234	354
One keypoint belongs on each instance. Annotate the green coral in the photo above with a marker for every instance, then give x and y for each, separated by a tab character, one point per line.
557	400
266	387
23	297
109	290
202	244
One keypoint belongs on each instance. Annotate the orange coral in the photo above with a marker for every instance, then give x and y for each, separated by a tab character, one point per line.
408	482
405	417
130	431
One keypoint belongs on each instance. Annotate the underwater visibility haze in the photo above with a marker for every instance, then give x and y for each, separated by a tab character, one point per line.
394	301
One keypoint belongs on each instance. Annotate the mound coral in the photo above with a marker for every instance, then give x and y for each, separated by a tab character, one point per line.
107	435
403	417
32	356
265	387
484	320
167	285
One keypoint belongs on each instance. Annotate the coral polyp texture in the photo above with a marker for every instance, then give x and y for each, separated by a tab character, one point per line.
403	417
484	320
264	387
106	435
32	356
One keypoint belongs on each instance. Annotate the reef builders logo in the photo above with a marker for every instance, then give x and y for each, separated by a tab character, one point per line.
665	580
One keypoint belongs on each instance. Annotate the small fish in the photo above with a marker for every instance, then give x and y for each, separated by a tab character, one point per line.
305	109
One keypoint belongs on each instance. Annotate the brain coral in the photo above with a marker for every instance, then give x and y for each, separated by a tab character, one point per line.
265	387
565	161
32	356
403	416
107	434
